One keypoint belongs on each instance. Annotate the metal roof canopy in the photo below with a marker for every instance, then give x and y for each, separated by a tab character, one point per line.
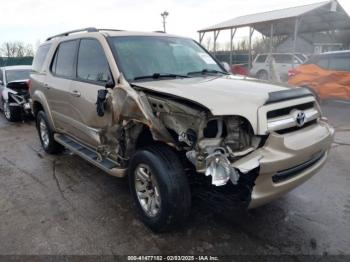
317	17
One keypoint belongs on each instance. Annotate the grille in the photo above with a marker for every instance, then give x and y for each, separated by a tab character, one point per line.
287	110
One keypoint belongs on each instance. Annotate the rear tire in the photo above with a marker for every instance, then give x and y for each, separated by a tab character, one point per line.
46	135
157	179
12	113
263	75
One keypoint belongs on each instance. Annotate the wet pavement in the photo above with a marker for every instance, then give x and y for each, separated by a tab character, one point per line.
63	205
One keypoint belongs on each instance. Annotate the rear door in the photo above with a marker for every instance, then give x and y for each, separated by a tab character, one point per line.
92	74
58	82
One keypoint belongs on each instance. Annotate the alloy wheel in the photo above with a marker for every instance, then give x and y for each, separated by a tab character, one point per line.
44	133
147	190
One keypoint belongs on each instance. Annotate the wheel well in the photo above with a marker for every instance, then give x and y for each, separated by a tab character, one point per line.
262	71
145	138
37	107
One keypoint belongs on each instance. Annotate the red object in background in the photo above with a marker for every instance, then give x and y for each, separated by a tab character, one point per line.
292	72
239	69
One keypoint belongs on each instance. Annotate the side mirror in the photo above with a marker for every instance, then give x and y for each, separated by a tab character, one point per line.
226	67
1	83
110	83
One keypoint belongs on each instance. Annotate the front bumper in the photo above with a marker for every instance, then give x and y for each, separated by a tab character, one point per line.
292	158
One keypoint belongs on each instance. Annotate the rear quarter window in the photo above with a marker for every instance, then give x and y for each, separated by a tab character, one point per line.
40	57
261	59
283	59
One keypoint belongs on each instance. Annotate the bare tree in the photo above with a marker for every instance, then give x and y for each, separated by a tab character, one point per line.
16	49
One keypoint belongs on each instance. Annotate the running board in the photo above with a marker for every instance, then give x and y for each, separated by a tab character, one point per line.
90	155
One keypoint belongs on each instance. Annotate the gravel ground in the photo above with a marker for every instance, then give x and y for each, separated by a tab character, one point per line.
63	205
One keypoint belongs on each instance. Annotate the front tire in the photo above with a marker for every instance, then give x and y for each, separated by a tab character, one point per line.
46	135
11	113
159	187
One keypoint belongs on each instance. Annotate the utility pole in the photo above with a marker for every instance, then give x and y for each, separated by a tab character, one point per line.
164	15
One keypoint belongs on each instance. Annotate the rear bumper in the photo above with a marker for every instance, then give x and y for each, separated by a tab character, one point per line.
287	161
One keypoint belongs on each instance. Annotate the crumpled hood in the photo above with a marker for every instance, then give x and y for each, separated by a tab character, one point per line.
225	95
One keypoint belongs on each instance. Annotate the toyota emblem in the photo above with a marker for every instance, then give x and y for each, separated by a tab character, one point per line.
300	119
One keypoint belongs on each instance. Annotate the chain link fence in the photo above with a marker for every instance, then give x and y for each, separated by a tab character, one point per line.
10	61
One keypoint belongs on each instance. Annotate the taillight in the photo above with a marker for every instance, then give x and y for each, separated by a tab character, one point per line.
292	72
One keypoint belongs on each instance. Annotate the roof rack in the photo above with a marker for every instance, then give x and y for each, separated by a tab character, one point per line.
106	29
88	29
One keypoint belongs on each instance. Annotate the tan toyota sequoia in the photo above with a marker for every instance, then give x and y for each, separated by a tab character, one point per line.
161	110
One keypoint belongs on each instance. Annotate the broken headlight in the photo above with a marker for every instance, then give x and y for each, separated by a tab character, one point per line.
219	167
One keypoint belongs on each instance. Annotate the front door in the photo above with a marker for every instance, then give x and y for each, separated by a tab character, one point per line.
92	73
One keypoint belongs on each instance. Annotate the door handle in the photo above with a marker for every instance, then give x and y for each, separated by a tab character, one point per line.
75	93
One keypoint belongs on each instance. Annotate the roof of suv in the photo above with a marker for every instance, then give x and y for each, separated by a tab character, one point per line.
110	32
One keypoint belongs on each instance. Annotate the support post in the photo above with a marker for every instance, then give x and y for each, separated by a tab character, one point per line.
271	39
201	36
270	52
216	34
251	31
296	27
233	32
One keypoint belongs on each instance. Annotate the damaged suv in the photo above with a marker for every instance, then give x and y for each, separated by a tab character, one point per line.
161	110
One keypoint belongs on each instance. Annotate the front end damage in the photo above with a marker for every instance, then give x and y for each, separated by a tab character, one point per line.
222	148
17	93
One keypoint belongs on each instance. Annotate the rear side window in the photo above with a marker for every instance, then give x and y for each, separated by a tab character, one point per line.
283	59
339	63
40	57
63	63
261	59
92	63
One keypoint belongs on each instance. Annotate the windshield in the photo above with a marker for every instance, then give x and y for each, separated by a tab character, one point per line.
13	75
140	56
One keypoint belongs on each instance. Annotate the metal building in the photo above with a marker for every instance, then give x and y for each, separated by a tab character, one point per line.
327	16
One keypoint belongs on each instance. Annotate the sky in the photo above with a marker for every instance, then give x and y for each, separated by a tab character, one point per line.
32	21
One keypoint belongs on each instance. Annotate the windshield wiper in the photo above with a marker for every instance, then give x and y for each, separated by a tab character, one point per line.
206	72
159	75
